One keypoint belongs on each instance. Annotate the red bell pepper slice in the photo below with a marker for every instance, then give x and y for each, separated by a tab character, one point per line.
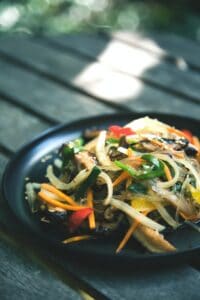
188	135
119	131
77	218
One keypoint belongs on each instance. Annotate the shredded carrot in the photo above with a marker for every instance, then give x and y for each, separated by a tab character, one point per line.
76	239
167	172
196	143
176	131
129	233
157	143
91	217
56	203
123	176
61	195
127	236
179	154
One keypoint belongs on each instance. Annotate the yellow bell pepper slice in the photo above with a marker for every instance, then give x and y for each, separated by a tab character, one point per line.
195	194
142	204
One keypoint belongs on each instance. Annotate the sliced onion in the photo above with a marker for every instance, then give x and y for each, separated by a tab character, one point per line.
90	146
134	214
112	168
182	205
82	175
108	182
165	215
176	169
123	150
101	155
192	170
32	195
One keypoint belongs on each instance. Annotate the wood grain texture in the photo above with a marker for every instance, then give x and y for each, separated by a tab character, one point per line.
95	79
18	127
22	278
48	98
132	282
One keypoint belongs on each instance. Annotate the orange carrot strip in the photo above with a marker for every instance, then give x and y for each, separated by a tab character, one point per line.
176	131
196	143
167	172
129	233
61	195
188	135
123	176
127	236
157	143
76	239
56	203
179	154
91	217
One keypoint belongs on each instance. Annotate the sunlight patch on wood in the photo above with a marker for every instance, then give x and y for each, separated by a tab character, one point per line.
107	84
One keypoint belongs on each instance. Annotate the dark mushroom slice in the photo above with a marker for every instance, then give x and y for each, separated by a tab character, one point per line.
177	144
190	150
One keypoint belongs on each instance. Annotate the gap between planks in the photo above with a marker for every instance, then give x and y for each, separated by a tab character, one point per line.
8	99
18	62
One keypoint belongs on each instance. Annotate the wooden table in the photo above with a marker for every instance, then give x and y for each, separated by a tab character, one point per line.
46	81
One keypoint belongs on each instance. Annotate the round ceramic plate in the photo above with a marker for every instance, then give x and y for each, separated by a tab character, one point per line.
28	163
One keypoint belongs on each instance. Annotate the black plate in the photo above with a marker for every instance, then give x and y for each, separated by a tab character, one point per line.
27	163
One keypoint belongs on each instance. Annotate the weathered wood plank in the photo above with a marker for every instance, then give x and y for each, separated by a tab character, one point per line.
136	62
164	45
153	283
96	79
48	98
22	278
17	127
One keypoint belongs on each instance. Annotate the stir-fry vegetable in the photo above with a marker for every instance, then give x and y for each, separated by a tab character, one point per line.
119	131
77	218
142	178
91	179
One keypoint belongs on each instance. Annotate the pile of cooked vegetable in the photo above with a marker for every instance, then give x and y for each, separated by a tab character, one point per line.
144	178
